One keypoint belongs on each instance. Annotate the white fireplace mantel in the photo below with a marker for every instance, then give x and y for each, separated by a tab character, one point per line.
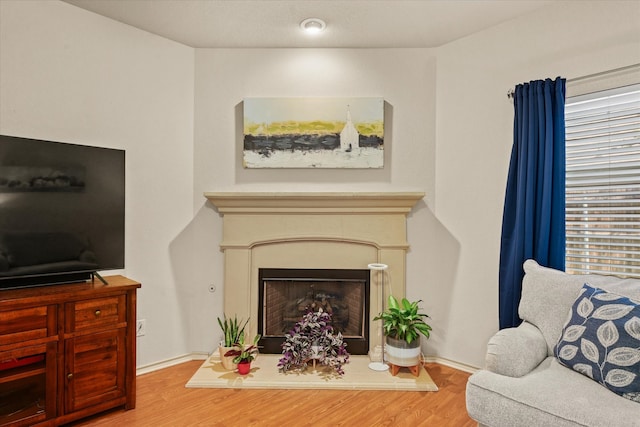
316	202
313	230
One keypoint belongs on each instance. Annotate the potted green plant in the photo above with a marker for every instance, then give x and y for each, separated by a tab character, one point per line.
233	332
313	339
243	355
403	324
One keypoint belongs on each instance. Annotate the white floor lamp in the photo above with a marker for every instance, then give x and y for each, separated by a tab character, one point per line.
380	366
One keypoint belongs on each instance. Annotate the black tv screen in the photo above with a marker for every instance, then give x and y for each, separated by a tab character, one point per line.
62	209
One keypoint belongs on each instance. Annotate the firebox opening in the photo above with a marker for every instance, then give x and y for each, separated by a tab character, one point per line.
285	295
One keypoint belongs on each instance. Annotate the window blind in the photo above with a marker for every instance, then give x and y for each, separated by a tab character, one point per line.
603	182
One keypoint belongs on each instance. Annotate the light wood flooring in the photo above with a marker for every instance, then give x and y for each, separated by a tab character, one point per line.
163	400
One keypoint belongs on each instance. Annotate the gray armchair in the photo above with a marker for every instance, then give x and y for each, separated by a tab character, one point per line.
523	384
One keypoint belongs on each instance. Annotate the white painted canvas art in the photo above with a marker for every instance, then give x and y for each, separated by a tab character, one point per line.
313	133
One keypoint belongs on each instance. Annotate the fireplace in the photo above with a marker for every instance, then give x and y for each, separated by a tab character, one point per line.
285	295
311	230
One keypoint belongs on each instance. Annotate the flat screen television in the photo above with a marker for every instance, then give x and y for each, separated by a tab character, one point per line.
62	209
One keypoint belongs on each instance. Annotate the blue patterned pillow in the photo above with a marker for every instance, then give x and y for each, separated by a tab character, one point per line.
601	340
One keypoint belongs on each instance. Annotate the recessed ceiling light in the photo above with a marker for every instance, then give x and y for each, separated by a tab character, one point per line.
313	25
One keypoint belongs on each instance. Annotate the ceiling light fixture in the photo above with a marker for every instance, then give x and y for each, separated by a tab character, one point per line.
313	25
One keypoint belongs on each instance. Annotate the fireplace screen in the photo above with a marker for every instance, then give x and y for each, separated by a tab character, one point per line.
287	294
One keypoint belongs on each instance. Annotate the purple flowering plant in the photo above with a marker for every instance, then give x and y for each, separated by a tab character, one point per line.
313	338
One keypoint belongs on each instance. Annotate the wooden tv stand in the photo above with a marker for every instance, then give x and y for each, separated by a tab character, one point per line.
67	351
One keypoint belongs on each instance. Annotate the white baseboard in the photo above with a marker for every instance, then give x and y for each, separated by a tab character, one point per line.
452	364
203	356
156	366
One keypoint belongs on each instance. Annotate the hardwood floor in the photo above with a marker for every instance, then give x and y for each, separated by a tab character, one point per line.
163	400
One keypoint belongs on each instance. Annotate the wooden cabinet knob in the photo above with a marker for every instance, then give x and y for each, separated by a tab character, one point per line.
69	376
97	313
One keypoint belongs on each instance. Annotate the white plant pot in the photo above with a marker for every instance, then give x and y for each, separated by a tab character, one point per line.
227	361
399	353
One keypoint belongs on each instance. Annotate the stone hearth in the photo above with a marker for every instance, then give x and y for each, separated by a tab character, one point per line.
311	230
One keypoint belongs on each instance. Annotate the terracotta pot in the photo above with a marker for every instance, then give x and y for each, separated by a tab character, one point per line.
227	361
244	367
400	353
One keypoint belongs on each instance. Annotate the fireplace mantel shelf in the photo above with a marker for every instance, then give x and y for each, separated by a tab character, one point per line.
317	202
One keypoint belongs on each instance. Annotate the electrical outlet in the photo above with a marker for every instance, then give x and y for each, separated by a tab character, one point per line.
141	327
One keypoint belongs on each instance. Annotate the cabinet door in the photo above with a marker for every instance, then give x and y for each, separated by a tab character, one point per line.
27	385
94	369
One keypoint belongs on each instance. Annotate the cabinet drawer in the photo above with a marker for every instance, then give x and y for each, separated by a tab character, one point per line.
27	324
95	313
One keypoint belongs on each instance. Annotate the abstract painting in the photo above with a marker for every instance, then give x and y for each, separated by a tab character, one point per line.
313	133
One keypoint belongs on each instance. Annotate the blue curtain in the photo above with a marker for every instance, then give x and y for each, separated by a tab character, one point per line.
534	207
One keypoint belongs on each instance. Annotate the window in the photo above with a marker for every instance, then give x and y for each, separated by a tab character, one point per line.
603	182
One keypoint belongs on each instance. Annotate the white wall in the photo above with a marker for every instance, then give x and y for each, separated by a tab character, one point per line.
453	262
70	75
405	78
474	122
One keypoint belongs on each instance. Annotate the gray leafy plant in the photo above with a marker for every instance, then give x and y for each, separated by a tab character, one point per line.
313	338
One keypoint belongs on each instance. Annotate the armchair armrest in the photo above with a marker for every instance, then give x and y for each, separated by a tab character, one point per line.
515	352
